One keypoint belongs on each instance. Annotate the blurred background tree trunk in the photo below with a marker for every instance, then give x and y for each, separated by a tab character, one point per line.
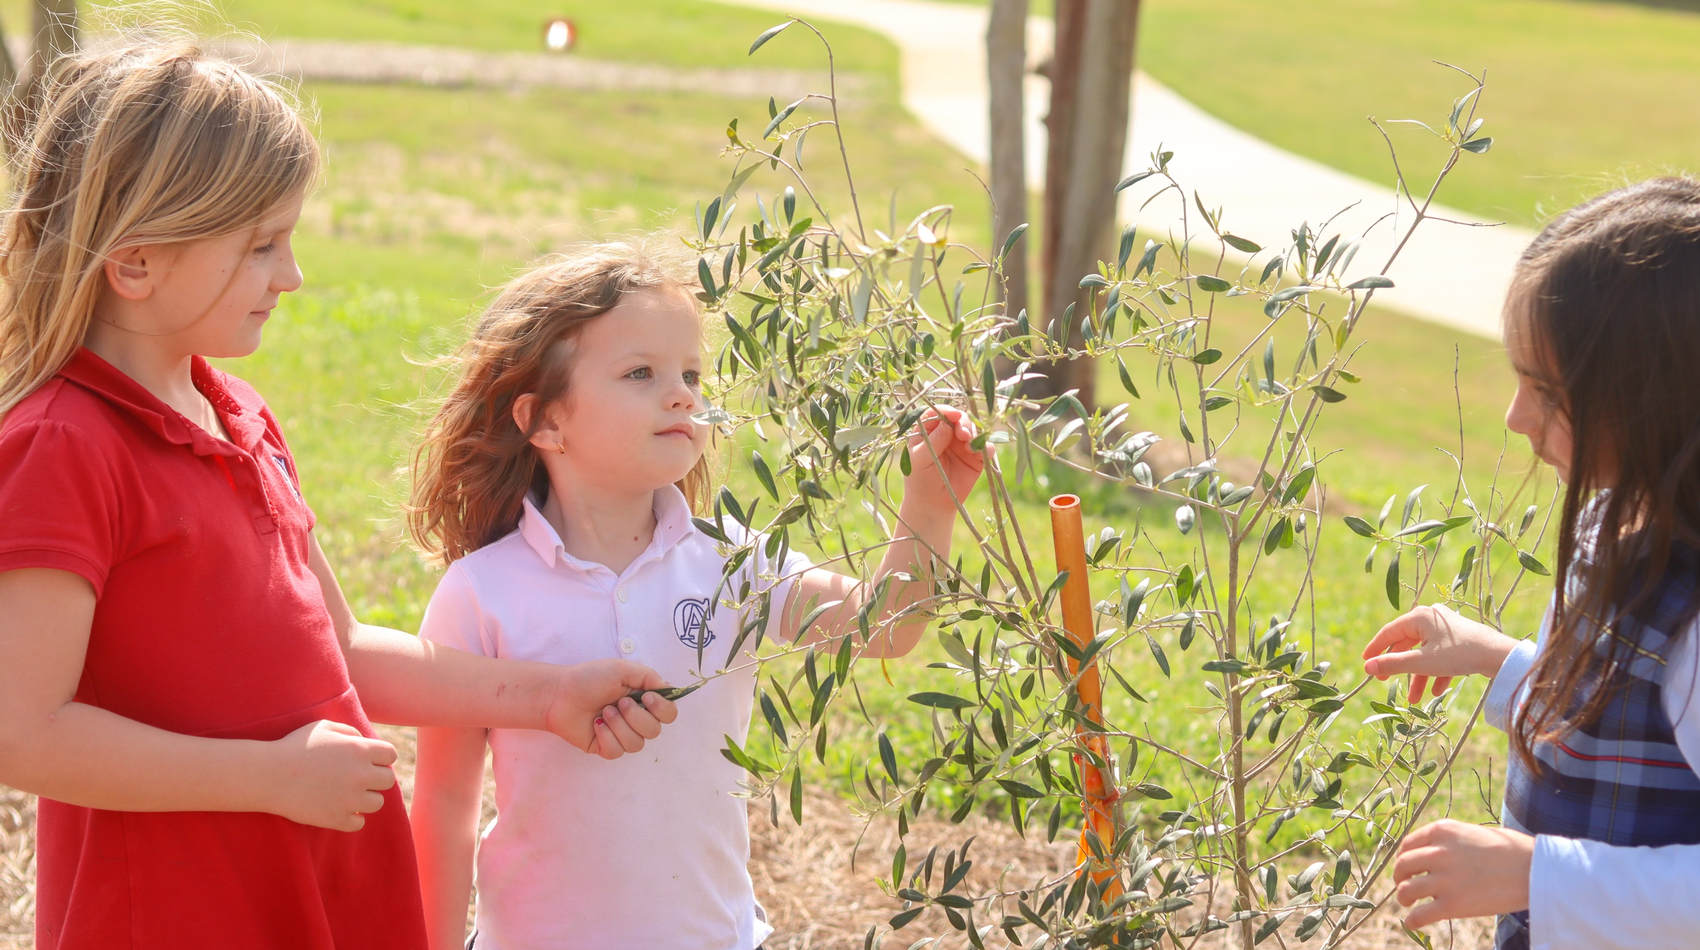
53	33
1006	66
1091	75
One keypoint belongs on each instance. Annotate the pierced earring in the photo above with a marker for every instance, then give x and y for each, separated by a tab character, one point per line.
561	447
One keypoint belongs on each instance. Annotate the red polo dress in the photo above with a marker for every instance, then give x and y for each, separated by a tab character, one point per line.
208	623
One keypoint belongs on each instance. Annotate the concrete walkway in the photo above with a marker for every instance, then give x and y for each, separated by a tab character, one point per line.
1448	274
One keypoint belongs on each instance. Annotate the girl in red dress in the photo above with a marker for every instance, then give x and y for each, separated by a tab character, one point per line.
181	680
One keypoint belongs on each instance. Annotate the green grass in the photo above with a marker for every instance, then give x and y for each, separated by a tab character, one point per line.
1579	95
676	32
1582	95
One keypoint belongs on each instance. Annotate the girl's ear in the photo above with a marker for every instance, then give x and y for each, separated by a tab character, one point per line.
548	436
133	272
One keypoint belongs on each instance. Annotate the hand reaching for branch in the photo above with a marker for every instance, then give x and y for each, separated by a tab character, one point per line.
943	467
1435	641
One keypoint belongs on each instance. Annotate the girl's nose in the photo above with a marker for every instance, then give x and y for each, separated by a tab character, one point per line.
1519	415
682	397
288	278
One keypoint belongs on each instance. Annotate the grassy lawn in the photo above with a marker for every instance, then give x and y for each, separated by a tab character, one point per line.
677	32
1581	94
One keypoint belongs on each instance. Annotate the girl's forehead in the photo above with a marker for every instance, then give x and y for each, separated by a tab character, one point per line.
650	317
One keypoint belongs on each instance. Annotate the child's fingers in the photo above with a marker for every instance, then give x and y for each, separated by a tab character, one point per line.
1414	860
382	753
1432	912
1393	664
1441	683
1419	682
664	710
1394	636
604	743
638	718
369	802
627	737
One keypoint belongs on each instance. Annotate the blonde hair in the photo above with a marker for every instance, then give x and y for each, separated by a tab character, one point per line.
145	142
474	465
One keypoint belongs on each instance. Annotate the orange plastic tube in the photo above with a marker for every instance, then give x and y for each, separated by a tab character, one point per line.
1099	801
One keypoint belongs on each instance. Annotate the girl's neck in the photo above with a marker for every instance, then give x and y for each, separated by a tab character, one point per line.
165	373
602	527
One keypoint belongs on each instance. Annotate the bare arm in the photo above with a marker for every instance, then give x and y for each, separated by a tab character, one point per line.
324	773
943	470
407	681
447	792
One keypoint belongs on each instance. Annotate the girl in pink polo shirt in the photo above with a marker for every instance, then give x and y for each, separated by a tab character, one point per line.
181	680
558	480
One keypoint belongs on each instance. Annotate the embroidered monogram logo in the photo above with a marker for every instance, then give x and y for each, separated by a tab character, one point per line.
283	466
690	622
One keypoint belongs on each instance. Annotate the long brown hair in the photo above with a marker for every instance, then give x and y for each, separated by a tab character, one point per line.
474	465
1608	297
146	142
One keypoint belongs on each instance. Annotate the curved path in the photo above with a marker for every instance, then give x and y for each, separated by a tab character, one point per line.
1449	274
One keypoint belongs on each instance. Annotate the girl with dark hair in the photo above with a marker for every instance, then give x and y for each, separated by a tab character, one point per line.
1600	840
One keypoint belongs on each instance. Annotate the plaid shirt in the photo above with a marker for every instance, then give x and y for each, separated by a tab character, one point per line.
1620	780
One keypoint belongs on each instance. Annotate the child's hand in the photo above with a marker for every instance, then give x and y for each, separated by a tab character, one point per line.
1469	870
624	726
593	710
942	466
330	776
1435	641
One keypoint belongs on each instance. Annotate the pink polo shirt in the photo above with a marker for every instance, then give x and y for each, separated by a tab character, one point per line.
648	850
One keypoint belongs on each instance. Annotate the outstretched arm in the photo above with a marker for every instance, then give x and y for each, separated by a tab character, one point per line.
943	470
406	680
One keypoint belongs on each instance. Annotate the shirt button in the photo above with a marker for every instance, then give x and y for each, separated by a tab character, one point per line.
622	595
627	645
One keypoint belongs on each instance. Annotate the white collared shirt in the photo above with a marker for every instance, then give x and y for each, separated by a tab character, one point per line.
651	849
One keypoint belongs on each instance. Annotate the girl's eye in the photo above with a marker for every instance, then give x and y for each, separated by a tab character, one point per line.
642	372
266	248
693	378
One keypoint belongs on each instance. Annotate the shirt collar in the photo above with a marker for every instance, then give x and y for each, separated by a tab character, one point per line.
89	371
672	525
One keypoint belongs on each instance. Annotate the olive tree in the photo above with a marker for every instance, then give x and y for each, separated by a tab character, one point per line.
1280	820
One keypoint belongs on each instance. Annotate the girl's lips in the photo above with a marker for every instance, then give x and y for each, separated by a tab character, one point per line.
680	429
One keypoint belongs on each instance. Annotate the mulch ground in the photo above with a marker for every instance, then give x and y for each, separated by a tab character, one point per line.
816	881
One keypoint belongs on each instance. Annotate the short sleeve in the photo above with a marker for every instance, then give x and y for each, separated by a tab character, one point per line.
777	574
453	617
59	502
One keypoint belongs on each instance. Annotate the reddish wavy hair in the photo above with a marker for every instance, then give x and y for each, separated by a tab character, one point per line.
474	465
